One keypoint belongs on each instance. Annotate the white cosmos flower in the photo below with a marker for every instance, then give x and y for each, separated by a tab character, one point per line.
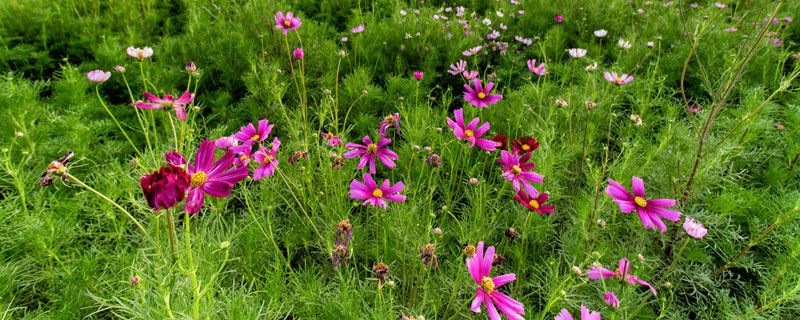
600	33
577	52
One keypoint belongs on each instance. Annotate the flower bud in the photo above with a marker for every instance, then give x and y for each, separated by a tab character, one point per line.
473	181
437	231
224	244
577	271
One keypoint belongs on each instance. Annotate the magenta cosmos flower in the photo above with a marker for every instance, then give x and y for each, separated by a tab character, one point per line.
480	96
586	314
538	70
534	202
392	120
167	102
165	188
331	140
480	267
358	29
267	159
694	229
286	22
215	178
374	195
249	135
519	171
368	151
469	132
650	211
598	272
98	76
418	75
617	79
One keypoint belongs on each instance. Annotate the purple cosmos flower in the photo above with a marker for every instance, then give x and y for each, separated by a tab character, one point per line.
538	70
586	314
469	132
480	268
215	178
249	135
458	67
286	23
368	151
617	79
165	188
98	76
298	53
519	171
598	272
472	51
331	140
374	195
167	102
267	159
140	54
694	229
418	75
392	120
650	211
611	299
694	108
358	29
480	96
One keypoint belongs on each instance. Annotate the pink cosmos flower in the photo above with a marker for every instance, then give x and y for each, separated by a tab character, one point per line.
368	151
418	75
249	135
611	299
358	29
458	67
480	96
538	70
140	54
331	140
167	102
225	143
469	132
586	314
480	268
98	76
267	159
694	229
534	201
392	120
519	171
598	272
119	69
650	211
243	157
617	79
693	5
472	51
374	195
215	178
720	5
286	23
470	75
559	18
298	53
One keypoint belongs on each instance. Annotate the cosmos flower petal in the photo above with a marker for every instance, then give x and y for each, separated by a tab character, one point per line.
638	186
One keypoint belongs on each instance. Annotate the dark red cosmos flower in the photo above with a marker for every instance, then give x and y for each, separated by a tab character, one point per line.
524	145
166	187
535	203
501	140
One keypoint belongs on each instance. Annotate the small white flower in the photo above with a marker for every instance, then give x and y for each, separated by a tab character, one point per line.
600	33
486	21
403	12
651	44
500	14
408	36
577	52
624	44
591	67
637	120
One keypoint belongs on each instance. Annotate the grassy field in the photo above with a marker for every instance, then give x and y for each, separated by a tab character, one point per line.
634	106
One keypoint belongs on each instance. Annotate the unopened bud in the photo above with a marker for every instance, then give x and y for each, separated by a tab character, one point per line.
576	271
601	223
437	231
224	244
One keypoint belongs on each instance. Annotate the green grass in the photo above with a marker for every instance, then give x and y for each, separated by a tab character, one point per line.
65	253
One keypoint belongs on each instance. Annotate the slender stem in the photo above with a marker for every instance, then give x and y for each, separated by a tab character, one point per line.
192	268
377	238
71	177
171	226
97	91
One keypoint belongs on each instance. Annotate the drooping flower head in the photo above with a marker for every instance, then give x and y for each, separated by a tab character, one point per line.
469	131
98	76
140	54
520	172
479	96
215	178
534	202
428	254
339	255
524	145
586	314
179	105
165	188
617	79
380	271
369	151
694	229
296	156
56	167
480	268
650	211
249	135
538	70
458	67
267	158
331	140
392	120
343	232
372	194
502	141
598	272
287	22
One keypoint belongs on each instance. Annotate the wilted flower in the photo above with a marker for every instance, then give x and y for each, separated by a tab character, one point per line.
469	250
428	254
694	108
343	232
140	54
380	271
591	67
590	104
392	120
337	162
331	140
637	120
98	76
339	255
434	160
296	155
56	167
134	280
561	102
611	299
694	229
497	259
511	234
286	23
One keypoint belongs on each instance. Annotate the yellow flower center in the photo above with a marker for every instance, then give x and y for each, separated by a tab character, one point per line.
389	119
287	23
487	285
267	158
617	79
198	178
516	170
255	137
377	193
372	148
526	147
534	204
139	54
481	95
244	158
640	202
469	133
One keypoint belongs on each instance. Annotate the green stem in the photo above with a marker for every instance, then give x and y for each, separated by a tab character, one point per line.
97	91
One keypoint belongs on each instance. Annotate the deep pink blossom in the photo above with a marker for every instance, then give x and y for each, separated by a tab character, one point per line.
331	140
469	131
650	211
480	268
392	120
249	135
165	188
167	102
534	201
598	272
267	159
372	194
368	151
586	314
479	96
287	22
418	75
519	171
